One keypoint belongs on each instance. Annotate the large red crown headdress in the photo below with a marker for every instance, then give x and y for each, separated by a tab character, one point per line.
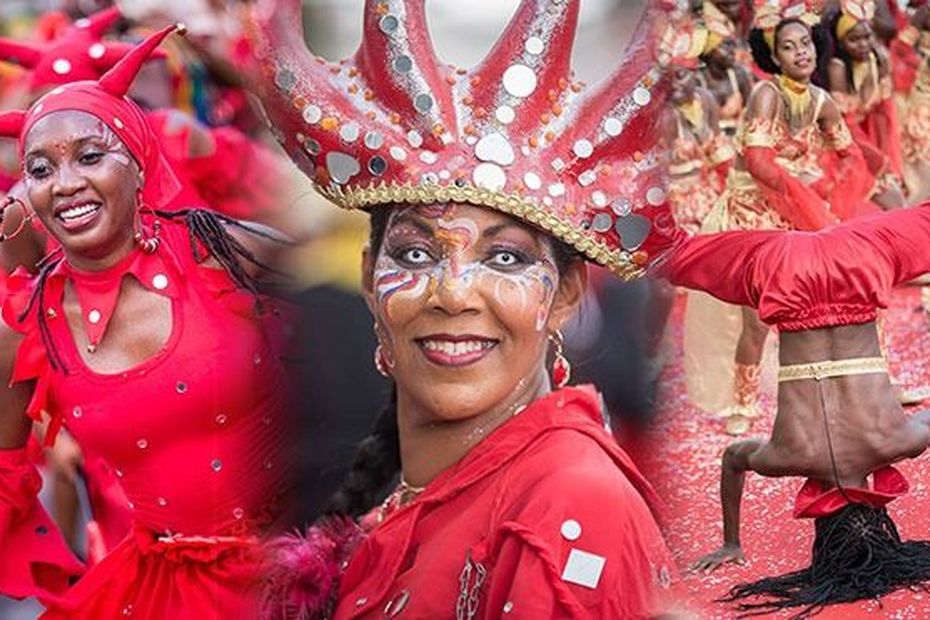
394	125
78	53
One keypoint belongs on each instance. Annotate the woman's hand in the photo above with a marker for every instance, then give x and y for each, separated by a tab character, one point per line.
726	554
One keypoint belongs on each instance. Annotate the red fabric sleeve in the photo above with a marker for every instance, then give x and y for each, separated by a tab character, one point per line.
36	560
793	200
559	534
883	130
905	63
798	280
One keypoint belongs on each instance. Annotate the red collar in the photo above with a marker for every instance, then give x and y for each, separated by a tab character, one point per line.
577	408
98	291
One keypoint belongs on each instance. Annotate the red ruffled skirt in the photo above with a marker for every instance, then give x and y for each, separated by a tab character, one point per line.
182	578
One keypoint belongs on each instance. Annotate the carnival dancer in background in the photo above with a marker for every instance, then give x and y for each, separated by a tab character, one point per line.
915	139
147	336
723	71
797	168
839	423
858	77
218	167
699	153
485	200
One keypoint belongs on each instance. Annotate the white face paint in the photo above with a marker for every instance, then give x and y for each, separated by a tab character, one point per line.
463	298
417	261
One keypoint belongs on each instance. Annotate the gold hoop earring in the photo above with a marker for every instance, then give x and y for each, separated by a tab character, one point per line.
148	244
561	367
28	215
382	363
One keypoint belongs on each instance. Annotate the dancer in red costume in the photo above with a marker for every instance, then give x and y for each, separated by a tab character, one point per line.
146	337
486	188
839	423
859	78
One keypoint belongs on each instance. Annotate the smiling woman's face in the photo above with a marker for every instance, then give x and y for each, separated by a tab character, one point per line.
795	51
81	182
465	298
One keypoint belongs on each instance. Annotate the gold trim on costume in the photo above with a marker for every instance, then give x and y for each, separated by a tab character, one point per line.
723	153
797	94
685	167
760	132
833	368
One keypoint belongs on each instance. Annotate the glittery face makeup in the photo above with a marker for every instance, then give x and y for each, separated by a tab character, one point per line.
426	250
463	295
81	181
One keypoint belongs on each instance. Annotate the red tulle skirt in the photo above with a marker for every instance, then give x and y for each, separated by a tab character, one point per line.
184	578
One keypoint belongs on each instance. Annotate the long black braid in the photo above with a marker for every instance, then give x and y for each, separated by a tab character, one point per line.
205	228
857	555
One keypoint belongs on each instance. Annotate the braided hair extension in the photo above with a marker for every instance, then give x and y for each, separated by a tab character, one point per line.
45	267
376	464
209	228
857	555
204	226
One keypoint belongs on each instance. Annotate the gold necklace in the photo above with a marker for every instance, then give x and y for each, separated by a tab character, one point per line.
403	494
798	97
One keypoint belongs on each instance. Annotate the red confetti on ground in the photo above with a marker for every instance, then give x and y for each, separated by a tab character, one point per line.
685	470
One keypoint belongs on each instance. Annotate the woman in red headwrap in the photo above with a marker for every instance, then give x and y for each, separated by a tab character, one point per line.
839	423
146	336
859	78
218	167
510	496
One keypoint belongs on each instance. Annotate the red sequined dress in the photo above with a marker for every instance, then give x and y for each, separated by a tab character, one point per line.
195	434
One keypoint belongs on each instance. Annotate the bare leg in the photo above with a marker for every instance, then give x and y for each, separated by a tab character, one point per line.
891	197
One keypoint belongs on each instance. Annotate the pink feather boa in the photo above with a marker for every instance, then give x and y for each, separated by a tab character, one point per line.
303	579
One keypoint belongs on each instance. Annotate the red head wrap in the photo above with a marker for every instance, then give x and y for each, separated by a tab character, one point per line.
106	99
814	500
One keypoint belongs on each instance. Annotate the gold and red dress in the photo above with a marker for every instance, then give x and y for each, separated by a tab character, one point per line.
790	177
872	119
915	128
699	157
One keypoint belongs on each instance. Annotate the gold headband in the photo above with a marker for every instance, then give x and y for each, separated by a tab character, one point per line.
844	24
713	41
833	368
769	36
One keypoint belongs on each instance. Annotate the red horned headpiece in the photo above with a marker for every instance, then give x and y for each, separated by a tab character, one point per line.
78	53
105	98
395	125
